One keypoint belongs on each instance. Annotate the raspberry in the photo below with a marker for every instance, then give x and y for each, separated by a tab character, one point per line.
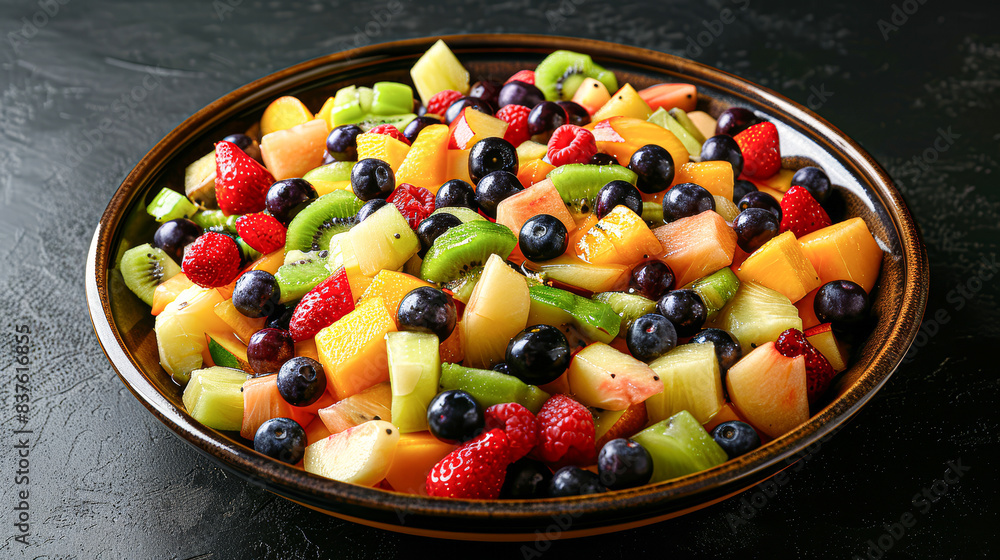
414	203
473	471
261	231
565	433
526	76
516	117
518	423
571	144
819	372
213	260
439	103
390	130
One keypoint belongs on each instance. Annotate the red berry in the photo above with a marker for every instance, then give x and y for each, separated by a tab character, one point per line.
761	150
565	433
516	117
801	214
414	203
261	231
571	144
330	300
473	471
213	260
241	183
390	130
438	104
526	76
819	372
518	423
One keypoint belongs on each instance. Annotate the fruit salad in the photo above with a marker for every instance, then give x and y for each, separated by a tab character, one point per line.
549	285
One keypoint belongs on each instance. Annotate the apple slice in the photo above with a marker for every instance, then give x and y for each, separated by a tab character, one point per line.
603	377
823	339
770	390
359	455
691	381
471	126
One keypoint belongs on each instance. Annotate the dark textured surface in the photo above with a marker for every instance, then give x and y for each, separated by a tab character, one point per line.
88	90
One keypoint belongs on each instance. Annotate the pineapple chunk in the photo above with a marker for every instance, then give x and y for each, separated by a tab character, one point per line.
437	70
360	455
497	310
180	330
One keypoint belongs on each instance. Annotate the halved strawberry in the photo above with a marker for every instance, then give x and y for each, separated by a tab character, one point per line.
474	471
261	231
801	213
321	307
516	117
241	183
414	203
761	150
819	372
526	76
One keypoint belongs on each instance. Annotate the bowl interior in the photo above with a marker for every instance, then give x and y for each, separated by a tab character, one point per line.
125	327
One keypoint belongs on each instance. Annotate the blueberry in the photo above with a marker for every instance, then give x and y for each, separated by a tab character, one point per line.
650	337
282	439
814	180
459	105
735	120
301	381
727	349
651	279
416	125
502	368
454	416
242	141
456	193
538	355
372	178
577	114
175	235
427	309
685	309
736	438
574	481
280	317
268	349
491	154
617	193
843	303
686	199
519	93
755	227
723	148
655	167
286	198
623	463
526	479
433	226
742	187
369	208
256	293
494	188
543	237
545	117
757	199
342	143
601	158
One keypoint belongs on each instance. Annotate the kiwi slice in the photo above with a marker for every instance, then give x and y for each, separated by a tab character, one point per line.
398	121
628	306
461	287
579	183
662	117
169	205
682	117
144	268
716	289
301	273
562	72
215	220
491	387
328	215
465	247
460	212
552	306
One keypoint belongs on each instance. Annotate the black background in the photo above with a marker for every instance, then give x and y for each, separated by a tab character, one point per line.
109	481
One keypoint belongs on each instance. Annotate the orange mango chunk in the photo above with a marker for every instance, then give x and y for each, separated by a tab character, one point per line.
391	286
781	265
416	454
352	350
621	237
383	147
715	176
426	163
622	136
284	113
844	251
696	246
534	171
169	290
292	152
242	326
458	166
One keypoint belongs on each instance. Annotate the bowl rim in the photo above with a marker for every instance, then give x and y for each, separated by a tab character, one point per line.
687	491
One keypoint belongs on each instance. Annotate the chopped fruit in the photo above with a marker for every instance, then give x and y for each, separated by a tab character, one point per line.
438	70
770	390
241	183
844	251
426	164
385	148
526	76
391	286
325	304
704	122
591	95
261	232
801	214
242	326
360	455
414	369
819	372
371	404
261	402
669	96
471	126
622	136
386	239
760	149
269	263
571	144
725	414
714	176
716	289
353	351
603	377
534	171
414	203
389	130
625	102
679	446
621	237
440	101
490	387
473	471
518	423
807	310
213	260
561	72
516	117
284	112
691	381
780	265
213	397
626	423
542	198
570	270
823	339
168	291
696	246
416	455
294	151
497	310
757	315
566	433
594	319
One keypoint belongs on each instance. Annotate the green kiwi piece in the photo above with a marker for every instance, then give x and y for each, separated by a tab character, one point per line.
461	287
628	306
579	183
398	121
144	268
682	117
328	215
662	117
562	72
169	205
460	212
465	247
215	220
555	307
301	273
716	289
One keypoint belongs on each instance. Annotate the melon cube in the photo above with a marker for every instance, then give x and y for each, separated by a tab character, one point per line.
781	265
294	151
696	246
541	198
353	351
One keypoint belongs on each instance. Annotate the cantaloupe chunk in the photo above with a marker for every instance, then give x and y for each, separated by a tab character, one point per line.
779	182
533	172
780	265
284	113
416	454
844	251
383	147
620	237
696	246
806	310
391	286
352	350
270	262
625	102
458	165
668	96
541	198
262	401
715	176
294	151
622	136
426	163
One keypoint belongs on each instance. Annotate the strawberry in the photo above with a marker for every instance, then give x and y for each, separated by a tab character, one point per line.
760	149
819	372
571	144
474	471
526	76
241	183
516	117
330	300
213	260
390	130
518	423
565	433
261	231
800	213
628	424
438	104
414	203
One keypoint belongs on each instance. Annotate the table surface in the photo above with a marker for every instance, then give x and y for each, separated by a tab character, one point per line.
914	82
